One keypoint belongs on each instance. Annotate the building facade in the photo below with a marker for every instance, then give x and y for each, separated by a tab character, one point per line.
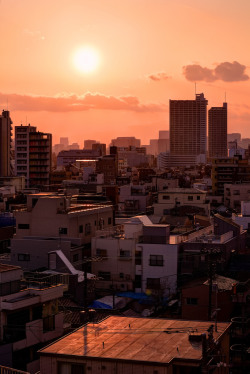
33	154
188	126
6	169
217	131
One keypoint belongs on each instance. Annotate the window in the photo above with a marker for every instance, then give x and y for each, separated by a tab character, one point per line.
190	198
65	367
80	229
23	226
87	229
198	197
23	257
49	323
192	300
153	283
75	257
124	253
105	275
156	260
137	281
101	252
121	275
236	192
63	230
165	197
109	220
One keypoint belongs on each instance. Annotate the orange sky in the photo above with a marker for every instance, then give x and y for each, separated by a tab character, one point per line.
150	51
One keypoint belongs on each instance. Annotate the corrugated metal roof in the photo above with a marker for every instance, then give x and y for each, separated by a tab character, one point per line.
136	339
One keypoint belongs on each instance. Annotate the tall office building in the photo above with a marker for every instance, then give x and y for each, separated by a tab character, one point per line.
188	126
217	131
6	169
33	154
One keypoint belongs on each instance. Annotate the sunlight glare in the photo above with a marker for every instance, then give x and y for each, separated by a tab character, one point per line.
86	59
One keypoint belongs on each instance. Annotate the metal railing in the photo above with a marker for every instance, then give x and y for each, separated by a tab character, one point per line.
7	370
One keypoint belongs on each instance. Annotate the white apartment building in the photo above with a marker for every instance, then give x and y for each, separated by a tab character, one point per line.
137	257
51	222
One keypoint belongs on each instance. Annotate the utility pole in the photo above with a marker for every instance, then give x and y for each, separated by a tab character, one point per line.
213	254
85	262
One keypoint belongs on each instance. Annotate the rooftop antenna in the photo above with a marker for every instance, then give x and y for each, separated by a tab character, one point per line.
225	97
195	88
26	120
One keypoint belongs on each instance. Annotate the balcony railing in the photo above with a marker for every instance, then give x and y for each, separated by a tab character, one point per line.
6	370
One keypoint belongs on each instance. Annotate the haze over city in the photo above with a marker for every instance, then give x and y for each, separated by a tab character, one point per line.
102	69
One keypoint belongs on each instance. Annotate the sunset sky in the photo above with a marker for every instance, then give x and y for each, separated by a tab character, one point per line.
140	54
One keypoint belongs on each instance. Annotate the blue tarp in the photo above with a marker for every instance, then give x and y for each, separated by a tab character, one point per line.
142	297
98	305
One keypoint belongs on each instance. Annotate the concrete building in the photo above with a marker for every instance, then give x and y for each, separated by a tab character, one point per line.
52	222
217	131
235	194
33	155
6	167
88	143
137	256
65	158
195	299
29	318
192	199
140	345
229	170
188	128
125	141
134	199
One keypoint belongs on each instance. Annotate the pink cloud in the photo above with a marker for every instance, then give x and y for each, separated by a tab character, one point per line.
74	103
225	71
158	76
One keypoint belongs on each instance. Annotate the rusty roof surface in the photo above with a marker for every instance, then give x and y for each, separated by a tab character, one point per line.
136	339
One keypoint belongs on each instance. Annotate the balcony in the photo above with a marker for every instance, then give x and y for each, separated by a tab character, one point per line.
6	370
31	296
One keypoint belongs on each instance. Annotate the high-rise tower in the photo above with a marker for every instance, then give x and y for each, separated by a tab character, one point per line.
188	126
6	169
33	152
217	131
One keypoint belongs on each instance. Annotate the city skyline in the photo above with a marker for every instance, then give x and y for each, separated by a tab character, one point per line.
103	69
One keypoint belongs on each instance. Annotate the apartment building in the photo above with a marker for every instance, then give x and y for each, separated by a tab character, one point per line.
217	131
33	155
188	129
229	171
193	199
235	193
136	256
51	222
6	167
29	318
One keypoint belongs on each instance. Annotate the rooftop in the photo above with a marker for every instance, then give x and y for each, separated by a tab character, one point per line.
137	339
4	267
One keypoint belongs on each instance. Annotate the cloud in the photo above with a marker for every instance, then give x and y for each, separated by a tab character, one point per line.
225	71
76	103
158	76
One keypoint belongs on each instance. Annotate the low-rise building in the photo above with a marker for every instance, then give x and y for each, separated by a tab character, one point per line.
29	318
136	256
192	199
51	222
140	345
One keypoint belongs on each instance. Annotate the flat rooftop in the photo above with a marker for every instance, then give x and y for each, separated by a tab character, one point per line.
6	267
135	339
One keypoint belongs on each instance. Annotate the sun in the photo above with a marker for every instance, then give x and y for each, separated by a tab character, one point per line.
86	59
